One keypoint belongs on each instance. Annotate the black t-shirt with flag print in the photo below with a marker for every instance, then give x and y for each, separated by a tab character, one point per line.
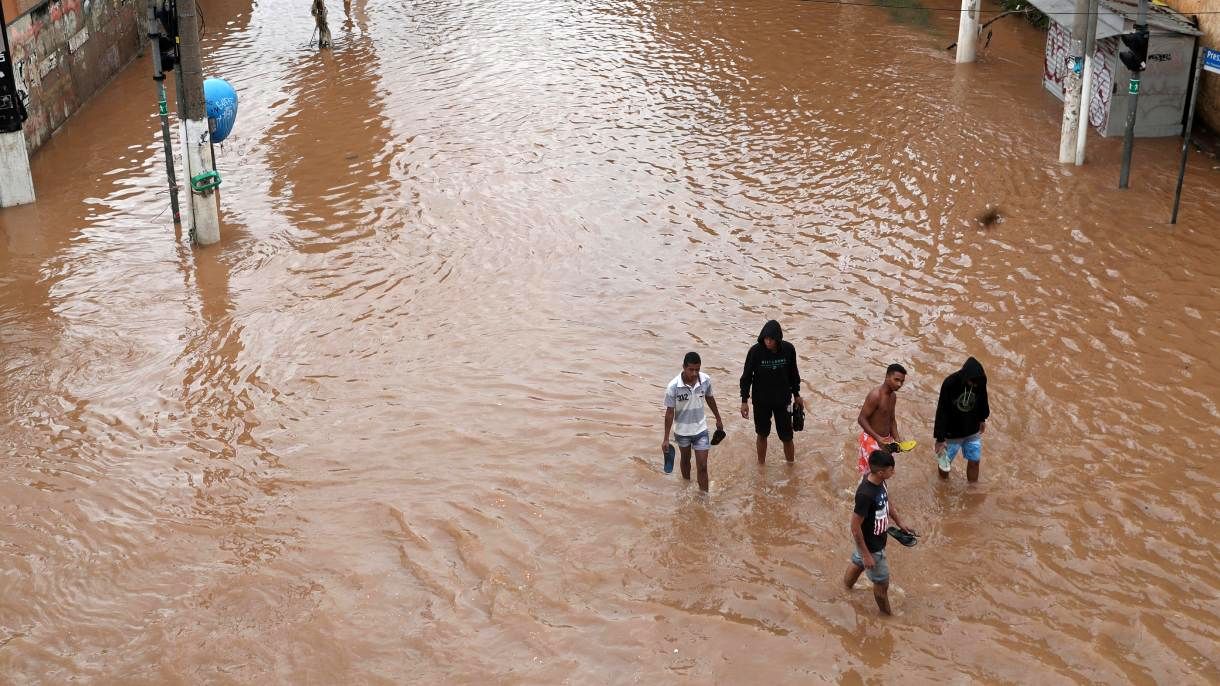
873	506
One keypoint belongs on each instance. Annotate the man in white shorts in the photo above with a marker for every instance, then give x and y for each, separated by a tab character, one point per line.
685	398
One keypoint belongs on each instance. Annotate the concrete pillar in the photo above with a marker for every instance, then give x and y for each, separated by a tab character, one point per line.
968	31
1086	87
16	182
1071	105
1072	100
203	210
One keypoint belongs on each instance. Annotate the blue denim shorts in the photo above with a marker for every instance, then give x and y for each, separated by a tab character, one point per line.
971	447
699	441
880	573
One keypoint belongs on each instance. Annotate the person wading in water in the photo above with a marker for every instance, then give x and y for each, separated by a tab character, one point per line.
961	418
685	397
870	520
878	419
771	375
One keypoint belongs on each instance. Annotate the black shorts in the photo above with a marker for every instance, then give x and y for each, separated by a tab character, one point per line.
783	421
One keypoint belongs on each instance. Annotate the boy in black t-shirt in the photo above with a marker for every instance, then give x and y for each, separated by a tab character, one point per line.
869	521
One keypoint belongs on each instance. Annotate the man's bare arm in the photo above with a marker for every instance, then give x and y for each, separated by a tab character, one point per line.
669	422
711	402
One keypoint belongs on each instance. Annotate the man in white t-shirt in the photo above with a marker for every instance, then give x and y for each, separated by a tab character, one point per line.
685	398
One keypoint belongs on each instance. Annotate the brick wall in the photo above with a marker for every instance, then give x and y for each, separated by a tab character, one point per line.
64	51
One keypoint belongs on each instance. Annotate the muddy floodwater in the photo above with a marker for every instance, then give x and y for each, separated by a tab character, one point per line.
401	424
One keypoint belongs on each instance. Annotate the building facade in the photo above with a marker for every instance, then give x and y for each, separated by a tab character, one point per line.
64	51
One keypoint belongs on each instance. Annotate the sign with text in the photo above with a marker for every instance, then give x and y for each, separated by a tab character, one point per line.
1211	60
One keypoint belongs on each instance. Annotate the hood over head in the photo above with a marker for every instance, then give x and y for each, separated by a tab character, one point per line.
973	370
772	330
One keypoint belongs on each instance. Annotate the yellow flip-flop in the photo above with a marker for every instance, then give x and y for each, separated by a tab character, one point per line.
906	446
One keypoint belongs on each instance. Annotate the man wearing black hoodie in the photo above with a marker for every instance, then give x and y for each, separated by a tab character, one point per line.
772	375
961	418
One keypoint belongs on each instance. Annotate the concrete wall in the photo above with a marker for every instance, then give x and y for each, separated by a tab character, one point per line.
1209	24
64	51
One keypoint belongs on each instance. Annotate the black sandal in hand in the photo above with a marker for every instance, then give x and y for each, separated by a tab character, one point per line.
907	538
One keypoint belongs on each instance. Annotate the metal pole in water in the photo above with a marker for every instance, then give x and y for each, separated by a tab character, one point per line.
1133	90
1190	122
154	37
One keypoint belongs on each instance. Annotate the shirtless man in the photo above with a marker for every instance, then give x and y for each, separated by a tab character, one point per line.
878	421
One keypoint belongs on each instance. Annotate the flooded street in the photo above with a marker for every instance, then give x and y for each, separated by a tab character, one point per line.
401	424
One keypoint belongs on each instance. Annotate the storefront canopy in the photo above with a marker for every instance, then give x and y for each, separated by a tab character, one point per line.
1114	16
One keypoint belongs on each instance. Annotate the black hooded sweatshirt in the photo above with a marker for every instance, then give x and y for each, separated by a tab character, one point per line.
960	407
773	375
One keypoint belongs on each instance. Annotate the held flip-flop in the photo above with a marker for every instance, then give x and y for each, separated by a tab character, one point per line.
903	537
669	457
718	436
903	447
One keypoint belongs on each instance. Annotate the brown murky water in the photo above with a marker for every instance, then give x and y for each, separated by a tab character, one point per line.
401	424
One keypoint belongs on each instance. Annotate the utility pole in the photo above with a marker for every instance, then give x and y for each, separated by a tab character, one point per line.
1135	61
968	31
16	181
203	210
1086	88
1071	85
156	41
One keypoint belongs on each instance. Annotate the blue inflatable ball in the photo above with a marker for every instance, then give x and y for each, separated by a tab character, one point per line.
221	102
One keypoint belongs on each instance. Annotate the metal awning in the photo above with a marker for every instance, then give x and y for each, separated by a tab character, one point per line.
1113	16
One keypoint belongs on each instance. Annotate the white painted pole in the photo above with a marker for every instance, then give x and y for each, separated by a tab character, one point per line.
968	31
1071	85
203	210
16	182
1071	111
1086	87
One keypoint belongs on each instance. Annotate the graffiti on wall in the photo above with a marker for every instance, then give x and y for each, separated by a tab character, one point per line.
35	38
40	42
1056	65
1103	83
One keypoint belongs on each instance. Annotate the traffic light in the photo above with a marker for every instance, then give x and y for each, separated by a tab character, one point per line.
169	52
1135	57
167	37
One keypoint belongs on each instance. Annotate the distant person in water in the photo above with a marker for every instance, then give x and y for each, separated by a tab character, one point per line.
870	519
772	379
961	418
878	420
685	398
